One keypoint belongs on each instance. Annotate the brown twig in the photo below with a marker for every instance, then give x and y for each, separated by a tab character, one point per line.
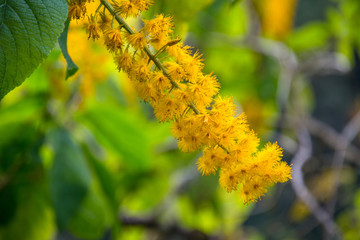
169	231
301	157
348	134
328	135
181	180
335	140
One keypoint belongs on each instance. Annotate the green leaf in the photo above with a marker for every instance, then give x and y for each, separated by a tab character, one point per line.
106	180
70	177
33	211
92	219
71	66
107	187
17	119
234	2
309	37
28	31
122	133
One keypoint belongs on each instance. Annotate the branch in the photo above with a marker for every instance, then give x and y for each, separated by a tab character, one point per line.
285	57
180	181
171	230
328	135
153	58
348	134
301	157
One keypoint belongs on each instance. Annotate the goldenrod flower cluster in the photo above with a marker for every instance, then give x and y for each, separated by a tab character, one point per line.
180	92
77	8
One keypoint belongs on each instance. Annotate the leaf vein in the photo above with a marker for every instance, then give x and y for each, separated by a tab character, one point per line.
27	35
4	12
38	25
12	35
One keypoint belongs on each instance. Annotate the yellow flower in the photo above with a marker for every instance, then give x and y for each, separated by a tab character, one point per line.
229	179
142	5
131	8
175	70
167	109
210	161
90	72
123	60
193	65
159	29
92	28
199	95
137	40
126	8
223	109
191	142
140	70
178	129
209	83
246	144
253	189
159	24
113	39
178	51
160	82
146	91
270	155
104	22
178	90
77	9
181	95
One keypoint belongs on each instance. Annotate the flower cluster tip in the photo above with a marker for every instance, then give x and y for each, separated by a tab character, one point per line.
180	92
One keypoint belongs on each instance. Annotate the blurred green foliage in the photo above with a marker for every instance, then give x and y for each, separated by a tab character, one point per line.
76	167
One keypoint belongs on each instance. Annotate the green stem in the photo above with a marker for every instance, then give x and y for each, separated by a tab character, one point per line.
224	148
97	10
153	58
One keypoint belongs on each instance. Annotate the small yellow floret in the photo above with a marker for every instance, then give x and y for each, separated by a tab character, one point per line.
229	179
211	160
113	39
137	40
170	77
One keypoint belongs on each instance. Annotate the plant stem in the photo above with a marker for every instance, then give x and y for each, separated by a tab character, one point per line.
97	10
153	58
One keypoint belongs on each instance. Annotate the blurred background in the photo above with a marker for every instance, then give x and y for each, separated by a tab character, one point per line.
86	159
